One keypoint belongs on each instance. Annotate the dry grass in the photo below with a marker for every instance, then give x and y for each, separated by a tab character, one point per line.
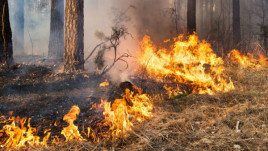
237	120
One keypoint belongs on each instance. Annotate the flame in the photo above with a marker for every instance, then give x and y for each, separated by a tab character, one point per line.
119	118
123	113
190	62
71	132
248	60
104	84
19	135
173	91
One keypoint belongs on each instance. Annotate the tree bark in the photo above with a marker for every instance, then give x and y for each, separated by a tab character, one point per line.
74	36
202	18
177	15
6	50
191	16
236	22
265	32
56	40
18	39
206	14
211	15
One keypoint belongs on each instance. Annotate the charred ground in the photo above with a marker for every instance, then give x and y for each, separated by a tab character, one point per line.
233	120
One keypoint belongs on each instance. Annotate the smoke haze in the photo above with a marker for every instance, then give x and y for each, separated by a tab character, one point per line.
141	17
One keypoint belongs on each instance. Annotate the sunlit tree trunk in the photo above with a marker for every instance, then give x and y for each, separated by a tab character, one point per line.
18	39
74	35
236	22
6	51
191	16
56	40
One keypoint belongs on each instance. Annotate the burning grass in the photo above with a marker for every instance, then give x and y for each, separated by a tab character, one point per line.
119	119
233	120
190	62
194	102
248	60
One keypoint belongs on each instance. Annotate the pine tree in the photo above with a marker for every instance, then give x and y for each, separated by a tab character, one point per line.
6	50
74	35
56	40
191	16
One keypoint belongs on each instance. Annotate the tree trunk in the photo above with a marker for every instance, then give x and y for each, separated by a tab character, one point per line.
265	32
236	22
6	51
56	40
178	16
74	35
211	15
201	19
191	16
206	17
18	39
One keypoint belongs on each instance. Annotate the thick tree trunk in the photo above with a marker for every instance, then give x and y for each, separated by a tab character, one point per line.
6	51
74	35
18	39
191	16
56	40
236	22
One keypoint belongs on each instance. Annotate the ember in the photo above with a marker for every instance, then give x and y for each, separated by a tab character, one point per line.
104	84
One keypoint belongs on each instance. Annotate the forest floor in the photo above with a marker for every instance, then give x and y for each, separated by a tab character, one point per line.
237	120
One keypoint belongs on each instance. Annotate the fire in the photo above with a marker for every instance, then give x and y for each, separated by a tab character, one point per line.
173	91
248	60
71	132
123	113
190	62
19	135
104	84
119	117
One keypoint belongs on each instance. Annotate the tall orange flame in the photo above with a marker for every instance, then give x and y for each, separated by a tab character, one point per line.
71	132
190	62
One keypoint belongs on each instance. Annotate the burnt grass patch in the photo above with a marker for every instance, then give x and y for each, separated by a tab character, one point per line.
237	120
